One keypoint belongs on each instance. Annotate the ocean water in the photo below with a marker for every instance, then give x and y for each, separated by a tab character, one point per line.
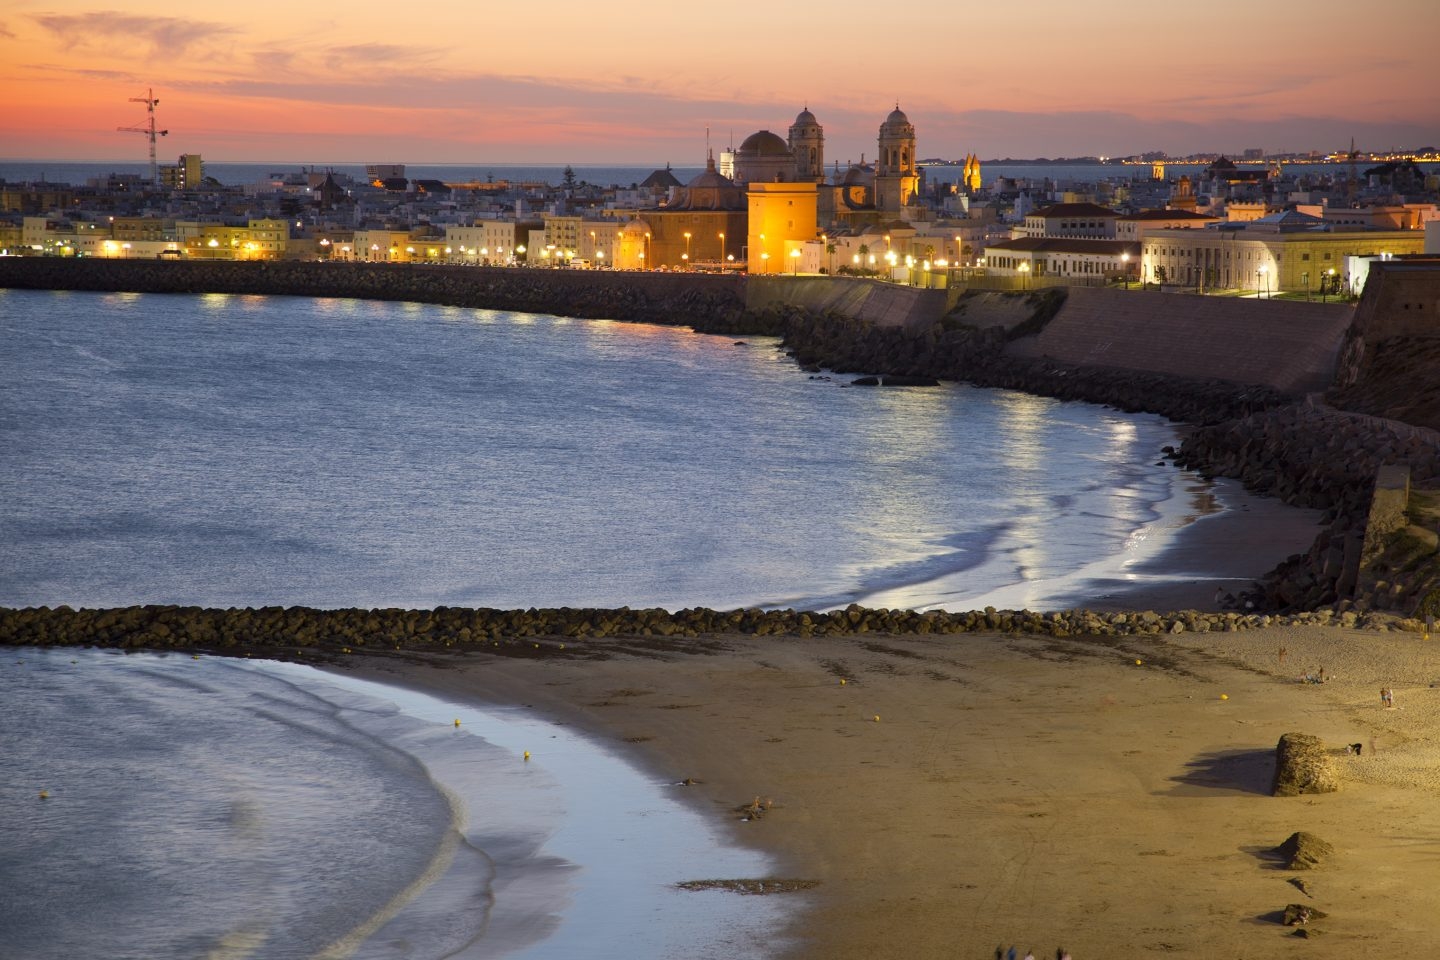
243	451
211	808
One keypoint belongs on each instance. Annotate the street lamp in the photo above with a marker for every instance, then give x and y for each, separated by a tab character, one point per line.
795	262
1327	281
1125	269
722	246
764	263
687	248
600	255
1264	278
325	245
1024	274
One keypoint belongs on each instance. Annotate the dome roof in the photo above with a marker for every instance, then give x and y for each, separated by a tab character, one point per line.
805	116
710	177
764	144
897	116
859	175
635	228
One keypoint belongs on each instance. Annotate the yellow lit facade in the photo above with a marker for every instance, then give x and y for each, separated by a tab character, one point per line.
782	219
1274	262
484	242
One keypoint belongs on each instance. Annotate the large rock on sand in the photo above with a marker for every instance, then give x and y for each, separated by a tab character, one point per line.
1304	851
1303	765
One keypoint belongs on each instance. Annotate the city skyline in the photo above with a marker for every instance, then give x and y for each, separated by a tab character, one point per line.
568	85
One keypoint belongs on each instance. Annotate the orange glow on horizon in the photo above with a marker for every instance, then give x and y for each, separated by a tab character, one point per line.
242	84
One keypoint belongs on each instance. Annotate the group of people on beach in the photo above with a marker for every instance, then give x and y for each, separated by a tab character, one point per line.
1002	954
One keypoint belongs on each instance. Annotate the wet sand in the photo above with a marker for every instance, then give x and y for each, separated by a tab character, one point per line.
1024	790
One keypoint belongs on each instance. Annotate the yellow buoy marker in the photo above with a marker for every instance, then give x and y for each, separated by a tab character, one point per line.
877	718
1224	696
457	721
527	754
44	794
842	681
1139	662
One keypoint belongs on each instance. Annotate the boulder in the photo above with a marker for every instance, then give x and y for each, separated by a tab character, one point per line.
1304	851
1298	913
1303	765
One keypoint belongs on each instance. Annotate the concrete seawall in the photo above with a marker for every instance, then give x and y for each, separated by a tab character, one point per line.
873	302
1292	347
706	302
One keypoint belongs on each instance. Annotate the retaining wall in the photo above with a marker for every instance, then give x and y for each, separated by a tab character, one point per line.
1290	346
873	302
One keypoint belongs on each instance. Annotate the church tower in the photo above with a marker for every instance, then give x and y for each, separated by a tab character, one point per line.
970	176
807	143
897	178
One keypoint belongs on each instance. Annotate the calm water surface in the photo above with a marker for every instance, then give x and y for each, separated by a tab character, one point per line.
239	451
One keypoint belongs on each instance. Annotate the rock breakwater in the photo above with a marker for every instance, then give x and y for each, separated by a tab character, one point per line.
1311	455
275	630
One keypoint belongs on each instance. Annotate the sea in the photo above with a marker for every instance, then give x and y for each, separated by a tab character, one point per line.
201	808
223	450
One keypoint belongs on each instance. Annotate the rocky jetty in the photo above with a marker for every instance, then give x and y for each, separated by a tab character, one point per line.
277	630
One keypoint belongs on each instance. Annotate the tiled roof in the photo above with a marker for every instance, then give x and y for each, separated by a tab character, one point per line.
1066	245
1167	215
1074	210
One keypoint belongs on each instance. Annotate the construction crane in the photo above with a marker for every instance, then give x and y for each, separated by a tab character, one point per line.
149	130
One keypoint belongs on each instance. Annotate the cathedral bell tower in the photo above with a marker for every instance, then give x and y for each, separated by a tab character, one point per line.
807	143
897	178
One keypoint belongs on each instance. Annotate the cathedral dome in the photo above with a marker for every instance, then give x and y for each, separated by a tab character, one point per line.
763	144
804	116
897	116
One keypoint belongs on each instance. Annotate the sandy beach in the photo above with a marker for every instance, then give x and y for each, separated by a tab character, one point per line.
958	793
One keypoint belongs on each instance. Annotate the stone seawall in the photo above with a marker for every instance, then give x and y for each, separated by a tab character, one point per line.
1391	357
872	302
1286	345
706	302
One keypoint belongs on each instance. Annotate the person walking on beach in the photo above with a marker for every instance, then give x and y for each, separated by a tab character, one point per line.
1387	697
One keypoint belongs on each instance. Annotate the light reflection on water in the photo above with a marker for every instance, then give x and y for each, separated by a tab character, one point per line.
241	451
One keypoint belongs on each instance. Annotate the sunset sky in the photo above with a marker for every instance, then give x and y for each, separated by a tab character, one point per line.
569	82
